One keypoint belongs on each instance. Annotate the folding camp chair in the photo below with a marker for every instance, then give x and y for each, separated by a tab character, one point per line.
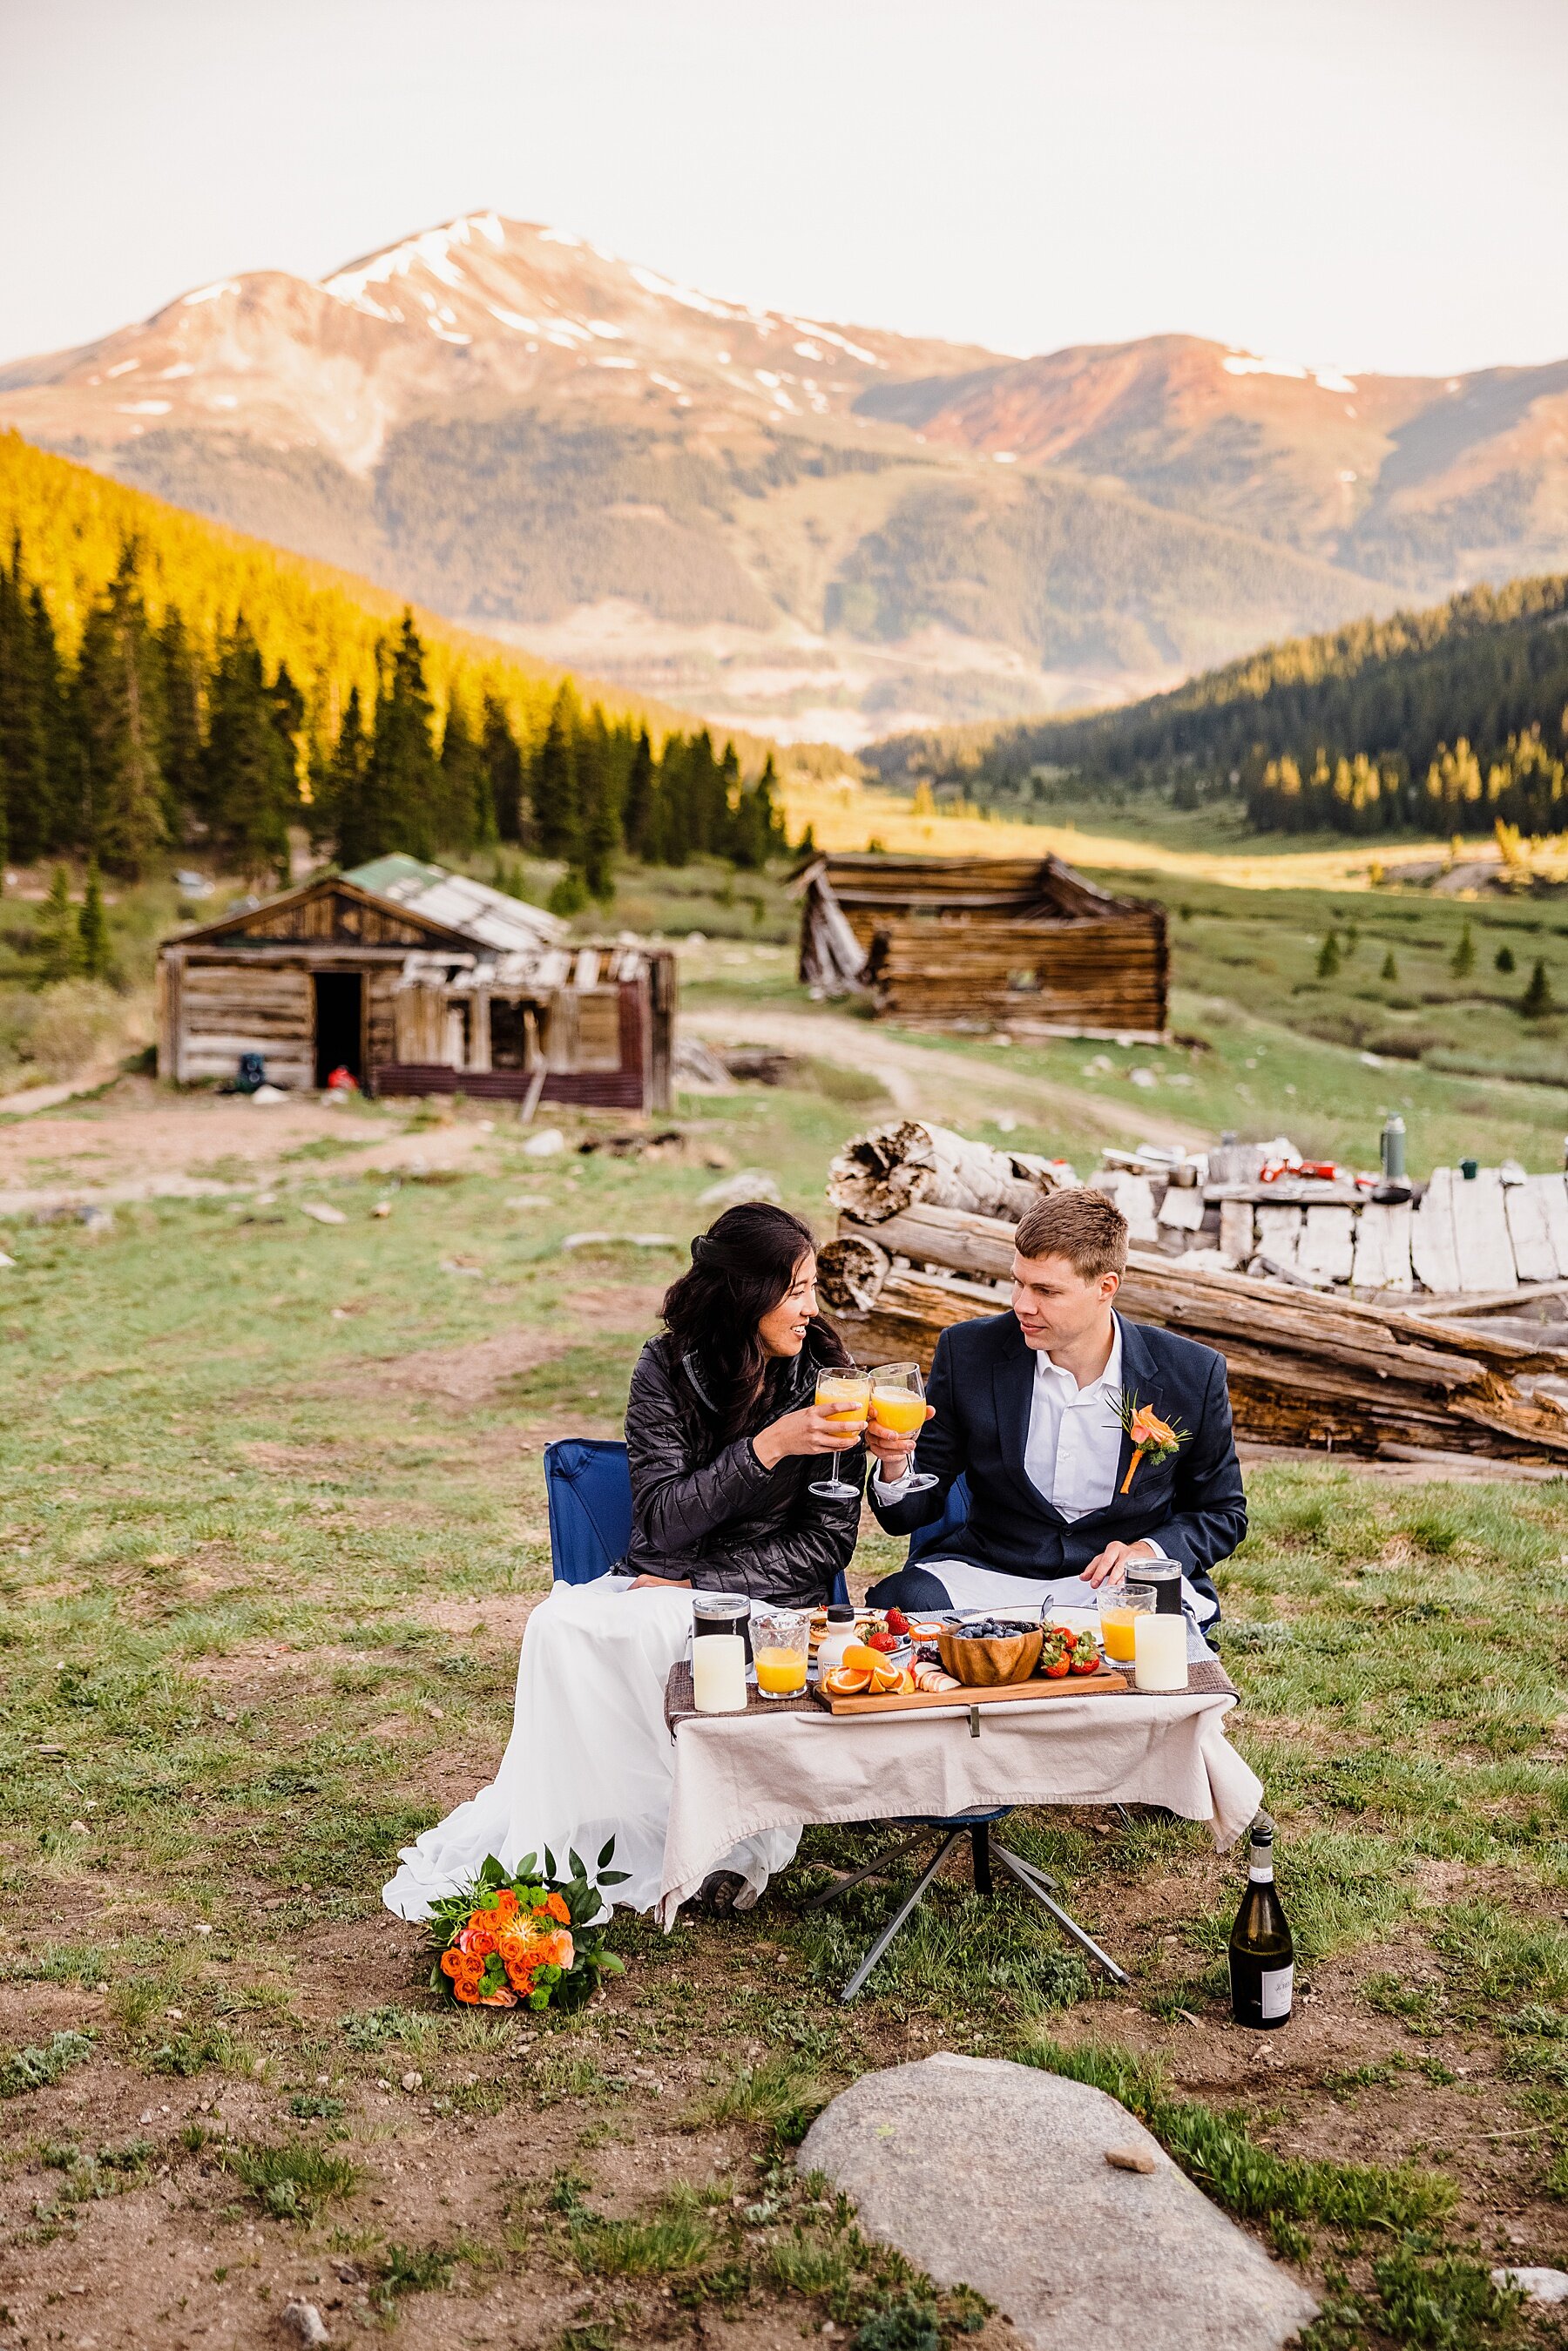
587	1486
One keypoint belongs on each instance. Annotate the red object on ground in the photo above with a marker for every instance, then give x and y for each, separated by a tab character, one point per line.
342	1082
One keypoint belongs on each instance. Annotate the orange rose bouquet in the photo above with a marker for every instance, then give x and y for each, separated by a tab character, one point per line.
1151	1435
526	1938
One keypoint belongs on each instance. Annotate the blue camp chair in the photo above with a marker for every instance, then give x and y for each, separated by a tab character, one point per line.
588	1488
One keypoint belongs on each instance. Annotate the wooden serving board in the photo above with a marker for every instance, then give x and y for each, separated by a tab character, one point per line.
913	1701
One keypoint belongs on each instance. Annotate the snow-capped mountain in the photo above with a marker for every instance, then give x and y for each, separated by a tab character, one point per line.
812	527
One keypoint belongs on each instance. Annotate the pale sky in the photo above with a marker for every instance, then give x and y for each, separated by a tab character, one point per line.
1367	184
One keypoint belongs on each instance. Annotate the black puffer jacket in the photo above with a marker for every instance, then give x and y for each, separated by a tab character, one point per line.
708	1511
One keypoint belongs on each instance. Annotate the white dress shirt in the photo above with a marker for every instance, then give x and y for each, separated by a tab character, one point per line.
1073	1448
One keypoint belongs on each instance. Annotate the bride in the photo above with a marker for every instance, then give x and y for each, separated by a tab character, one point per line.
724	1440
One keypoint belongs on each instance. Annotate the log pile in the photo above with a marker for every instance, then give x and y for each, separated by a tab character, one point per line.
1305	1369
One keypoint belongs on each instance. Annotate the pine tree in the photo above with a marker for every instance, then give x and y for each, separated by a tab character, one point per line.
183	775
1504	959
637	803
92	930
463	820
669	829
343	788
557	819
758	831
250	789
58	936
600	800
400	790
1463	960
119	726
23	740
1328	957
503	770
1538	999
1390	969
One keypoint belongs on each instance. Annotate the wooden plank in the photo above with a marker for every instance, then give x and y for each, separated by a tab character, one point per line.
1278	1236
1534	1253
1383	1246
1181	1210
1031	1693
1481	1233
1433	1253
1552	1193
1237	1238
1327	1244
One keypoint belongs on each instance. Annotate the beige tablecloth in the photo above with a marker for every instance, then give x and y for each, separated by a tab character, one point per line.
736	1775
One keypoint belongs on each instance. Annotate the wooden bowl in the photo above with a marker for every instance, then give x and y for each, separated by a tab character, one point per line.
989	1663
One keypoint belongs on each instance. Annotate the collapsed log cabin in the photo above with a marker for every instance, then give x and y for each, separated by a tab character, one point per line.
1020	943
418	981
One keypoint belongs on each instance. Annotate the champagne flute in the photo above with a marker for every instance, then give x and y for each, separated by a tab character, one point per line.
898	1403
841	1392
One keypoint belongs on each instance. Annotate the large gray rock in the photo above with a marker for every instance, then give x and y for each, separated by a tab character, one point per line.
996	2176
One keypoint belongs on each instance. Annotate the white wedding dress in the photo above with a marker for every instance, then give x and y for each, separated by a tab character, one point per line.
589	1757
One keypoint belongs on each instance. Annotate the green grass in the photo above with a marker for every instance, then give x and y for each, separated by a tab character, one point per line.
1219	2152
294	2181
260	1577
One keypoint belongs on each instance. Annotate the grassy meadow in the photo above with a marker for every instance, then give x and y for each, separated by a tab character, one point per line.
271	1520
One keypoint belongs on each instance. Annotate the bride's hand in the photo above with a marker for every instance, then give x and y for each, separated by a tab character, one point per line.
810	1430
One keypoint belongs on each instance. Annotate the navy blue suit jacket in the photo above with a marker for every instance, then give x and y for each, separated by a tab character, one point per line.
981	1386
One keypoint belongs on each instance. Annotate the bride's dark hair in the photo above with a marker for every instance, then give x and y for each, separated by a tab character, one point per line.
741	1267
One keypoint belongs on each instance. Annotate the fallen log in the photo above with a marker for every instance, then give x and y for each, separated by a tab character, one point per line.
913	1162
1304	1369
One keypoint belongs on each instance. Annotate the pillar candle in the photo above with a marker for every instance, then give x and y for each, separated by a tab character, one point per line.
1159	1652
718	1674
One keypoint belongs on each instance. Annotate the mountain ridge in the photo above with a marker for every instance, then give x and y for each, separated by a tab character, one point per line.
801	526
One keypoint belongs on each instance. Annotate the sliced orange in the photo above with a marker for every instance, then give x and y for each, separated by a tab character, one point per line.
887	1678
861	1660
844	1681
907	1683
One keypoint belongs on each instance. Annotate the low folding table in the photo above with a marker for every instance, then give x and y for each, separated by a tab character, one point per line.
784	1762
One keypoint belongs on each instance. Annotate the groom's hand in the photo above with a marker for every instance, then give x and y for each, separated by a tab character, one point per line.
891	1448
1110	1565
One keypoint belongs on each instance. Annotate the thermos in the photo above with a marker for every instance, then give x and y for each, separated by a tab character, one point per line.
1161	1576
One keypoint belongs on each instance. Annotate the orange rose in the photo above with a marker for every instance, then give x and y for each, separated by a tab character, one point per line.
1149	1428
557	1909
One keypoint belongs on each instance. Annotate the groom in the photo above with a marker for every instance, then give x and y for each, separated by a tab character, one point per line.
1033	1408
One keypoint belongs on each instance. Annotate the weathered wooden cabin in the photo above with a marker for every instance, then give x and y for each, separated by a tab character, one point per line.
1020	944
418	981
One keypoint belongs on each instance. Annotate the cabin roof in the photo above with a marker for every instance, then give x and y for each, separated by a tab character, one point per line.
1009	888
430	905
488	917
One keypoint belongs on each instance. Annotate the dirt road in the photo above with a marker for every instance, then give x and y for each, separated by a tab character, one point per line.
929	1079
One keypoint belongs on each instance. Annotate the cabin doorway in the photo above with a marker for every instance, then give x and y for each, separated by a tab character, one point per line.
339	1021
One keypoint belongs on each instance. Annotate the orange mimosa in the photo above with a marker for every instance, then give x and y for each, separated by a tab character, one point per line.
898	1409
1116	1628
780	1672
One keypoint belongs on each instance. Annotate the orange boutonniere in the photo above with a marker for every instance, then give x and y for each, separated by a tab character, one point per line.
1149	1433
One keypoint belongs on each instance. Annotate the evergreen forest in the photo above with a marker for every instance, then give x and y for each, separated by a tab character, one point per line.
1447	721
164	686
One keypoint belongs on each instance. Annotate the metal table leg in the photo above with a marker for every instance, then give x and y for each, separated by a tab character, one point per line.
877	1869
899	1916
1035	1881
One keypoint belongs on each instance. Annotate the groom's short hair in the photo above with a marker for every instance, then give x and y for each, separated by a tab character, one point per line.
1081	1225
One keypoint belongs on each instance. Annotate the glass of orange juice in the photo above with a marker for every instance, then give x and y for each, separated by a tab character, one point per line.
779	1641
844	1393
1119	1611
898	1405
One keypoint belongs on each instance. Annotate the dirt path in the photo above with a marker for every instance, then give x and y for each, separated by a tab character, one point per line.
923	1079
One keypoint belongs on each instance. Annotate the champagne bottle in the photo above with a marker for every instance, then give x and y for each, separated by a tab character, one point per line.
1262	1955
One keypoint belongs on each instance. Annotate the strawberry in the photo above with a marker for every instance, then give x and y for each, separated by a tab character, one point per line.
898	1622
883	1641
1085	1657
